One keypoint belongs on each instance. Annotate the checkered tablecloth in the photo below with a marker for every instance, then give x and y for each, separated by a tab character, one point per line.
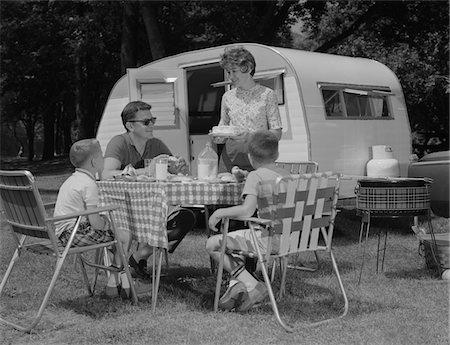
143	206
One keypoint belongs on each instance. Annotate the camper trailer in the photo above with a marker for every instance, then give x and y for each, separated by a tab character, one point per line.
333	108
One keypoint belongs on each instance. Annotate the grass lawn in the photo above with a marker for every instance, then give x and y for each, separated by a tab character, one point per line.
405	304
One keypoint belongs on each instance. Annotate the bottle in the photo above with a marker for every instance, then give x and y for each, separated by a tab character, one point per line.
207	163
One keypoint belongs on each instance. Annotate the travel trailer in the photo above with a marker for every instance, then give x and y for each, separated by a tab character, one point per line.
333	108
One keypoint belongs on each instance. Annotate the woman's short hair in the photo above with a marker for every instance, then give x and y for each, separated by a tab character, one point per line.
240	57
83	150
130	110
263	146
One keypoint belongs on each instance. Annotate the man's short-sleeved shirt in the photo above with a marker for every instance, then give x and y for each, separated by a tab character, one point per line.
122	148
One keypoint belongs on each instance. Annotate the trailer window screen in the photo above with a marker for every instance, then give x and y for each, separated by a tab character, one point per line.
162	98
356	102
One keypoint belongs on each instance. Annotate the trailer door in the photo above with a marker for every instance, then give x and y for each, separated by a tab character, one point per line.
164	90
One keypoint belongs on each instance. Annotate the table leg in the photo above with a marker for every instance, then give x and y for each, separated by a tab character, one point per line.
156	274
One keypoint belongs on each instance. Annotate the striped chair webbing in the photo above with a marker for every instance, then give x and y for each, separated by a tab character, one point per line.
23	205
300	208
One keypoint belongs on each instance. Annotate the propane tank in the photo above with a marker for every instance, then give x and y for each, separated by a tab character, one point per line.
383	163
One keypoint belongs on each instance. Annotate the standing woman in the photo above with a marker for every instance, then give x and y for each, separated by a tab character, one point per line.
249	106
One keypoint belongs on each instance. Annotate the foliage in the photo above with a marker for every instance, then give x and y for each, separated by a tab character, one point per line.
60	59
407	36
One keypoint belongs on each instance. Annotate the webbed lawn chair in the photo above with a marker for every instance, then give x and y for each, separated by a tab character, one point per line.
301	167
33	231
301	211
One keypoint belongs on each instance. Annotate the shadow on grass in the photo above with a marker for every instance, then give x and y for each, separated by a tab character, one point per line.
97	307
418	274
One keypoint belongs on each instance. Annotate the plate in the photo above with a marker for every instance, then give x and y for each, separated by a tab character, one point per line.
176	178
224	135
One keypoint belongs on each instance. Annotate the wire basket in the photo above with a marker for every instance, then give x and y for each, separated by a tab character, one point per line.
442	250
399	196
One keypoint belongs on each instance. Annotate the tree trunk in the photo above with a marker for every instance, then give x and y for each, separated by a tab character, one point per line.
149	15
29	128
49	133
128	46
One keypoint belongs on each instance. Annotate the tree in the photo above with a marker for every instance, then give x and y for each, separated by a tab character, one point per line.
409	37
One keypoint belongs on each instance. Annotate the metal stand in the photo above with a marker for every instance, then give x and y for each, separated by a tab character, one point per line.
365	227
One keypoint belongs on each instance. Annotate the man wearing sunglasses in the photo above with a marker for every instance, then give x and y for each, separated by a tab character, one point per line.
133	147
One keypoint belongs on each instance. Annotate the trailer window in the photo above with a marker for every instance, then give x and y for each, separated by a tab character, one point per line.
162	98
356	102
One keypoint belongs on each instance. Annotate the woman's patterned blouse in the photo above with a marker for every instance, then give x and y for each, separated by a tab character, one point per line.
251	110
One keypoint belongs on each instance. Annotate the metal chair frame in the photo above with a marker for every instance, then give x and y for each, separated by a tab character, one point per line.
27	217
301	211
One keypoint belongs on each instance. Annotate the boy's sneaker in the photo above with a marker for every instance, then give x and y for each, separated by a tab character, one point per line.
141	287
233	297
138	270
255	296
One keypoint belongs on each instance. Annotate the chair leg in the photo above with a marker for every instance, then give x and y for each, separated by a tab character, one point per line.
224	230
341	286
273	302
283	276
84	273
123	259
38	316
14	259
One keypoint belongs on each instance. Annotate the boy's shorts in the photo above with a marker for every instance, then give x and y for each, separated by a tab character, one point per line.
242	240
86	235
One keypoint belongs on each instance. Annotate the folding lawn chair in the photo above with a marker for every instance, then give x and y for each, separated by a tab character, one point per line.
34	231
300	212
302	167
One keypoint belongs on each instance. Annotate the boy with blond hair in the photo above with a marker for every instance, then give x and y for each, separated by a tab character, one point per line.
245	290
80	192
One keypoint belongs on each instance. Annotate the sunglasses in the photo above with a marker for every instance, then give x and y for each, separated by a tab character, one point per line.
145	122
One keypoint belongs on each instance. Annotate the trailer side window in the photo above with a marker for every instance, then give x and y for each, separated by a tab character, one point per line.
162	98
356	102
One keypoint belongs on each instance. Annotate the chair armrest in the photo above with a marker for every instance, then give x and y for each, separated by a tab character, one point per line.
257	220
83	213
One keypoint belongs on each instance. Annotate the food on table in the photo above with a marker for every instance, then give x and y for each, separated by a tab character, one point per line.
145	178
176	164
239	174
226	131
226	177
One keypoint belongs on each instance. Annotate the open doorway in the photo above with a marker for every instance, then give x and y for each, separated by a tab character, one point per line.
203	106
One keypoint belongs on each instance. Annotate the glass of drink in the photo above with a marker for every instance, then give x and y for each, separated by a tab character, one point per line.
149	169
161	168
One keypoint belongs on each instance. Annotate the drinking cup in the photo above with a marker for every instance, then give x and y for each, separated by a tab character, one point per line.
149	167
161	168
